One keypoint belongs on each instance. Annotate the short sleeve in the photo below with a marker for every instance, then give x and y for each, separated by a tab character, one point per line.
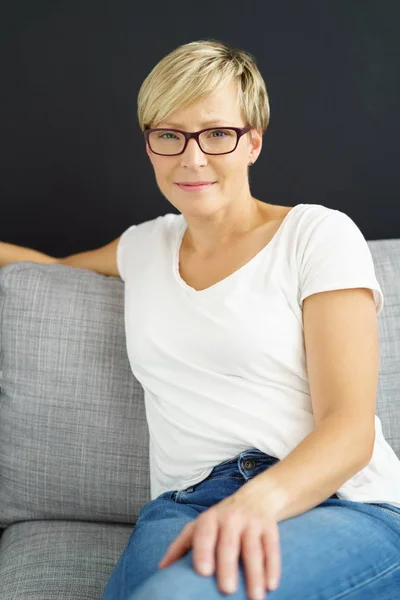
336	255
124	251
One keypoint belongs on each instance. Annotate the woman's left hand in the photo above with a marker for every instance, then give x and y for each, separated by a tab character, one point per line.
241	524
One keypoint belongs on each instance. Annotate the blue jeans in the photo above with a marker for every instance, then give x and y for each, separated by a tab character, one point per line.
336	550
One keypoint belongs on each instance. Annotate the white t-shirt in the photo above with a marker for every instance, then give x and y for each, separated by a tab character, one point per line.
224	369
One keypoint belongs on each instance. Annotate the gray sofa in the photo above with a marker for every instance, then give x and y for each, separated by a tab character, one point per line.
74	469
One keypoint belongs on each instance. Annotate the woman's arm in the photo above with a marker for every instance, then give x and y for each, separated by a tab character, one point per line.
342	350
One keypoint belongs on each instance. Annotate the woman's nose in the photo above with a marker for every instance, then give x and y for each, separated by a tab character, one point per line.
193	153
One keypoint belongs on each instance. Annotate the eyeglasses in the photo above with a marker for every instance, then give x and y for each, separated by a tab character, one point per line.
171	142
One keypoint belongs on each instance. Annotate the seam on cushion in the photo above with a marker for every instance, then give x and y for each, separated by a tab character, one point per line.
18	266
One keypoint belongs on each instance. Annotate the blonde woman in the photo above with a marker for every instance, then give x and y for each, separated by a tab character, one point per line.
252	328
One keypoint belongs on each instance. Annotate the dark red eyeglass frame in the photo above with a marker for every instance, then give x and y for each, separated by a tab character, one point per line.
195	134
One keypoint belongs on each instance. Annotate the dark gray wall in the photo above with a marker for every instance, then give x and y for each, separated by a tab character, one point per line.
73	169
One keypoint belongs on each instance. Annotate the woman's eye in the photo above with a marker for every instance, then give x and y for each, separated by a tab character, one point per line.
166	133
220	133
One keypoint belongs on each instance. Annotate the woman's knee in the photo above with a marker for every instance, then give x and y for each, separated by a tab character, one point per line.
159	524
174	581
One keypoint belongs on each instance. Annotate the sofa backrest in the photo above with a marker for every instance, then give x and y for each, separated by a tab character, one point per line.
73	430
386	257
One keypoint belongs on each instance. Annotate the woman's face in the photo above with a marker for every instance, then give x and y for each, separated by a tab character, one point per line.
228	171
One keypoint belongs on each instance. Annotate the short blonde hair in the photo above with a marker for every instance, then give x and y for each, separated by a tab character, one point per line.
193	71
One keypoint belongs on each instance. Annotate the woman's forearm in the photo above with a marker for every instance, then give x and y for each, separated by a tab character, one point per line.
330	455
10	253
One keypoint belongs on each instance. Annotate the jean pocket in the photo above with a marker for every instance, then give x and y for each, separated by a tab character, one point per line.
389	509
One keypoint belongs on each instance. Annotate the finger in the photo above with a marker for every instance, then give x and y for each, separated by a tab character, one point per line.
272	550
178	547
253	557
228	553
204	543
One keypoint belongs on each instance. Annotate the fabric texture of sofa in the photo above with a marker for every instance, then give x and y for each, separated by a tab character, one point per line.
74	463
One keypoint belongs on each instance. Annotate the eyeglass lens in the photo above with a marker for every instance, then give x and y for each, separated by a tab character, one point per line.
214	141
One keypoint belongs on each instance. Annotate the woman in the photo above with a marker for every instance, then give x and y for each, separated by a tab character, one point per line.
253	330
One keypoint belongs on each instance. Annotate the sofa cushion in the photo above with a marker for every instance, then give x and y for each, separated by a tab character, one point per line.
386	257
45	560
73	430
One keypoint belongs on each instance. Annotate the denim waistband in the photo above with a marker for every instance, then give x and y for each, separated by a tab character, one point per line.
250	454
260	458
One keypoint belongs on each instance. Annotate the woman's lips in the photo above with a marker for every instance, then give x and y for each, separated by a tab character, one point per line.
195	188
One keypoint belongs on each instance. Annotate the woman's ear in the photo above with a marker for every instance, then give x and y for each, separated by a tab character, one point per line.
149	152
255	145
